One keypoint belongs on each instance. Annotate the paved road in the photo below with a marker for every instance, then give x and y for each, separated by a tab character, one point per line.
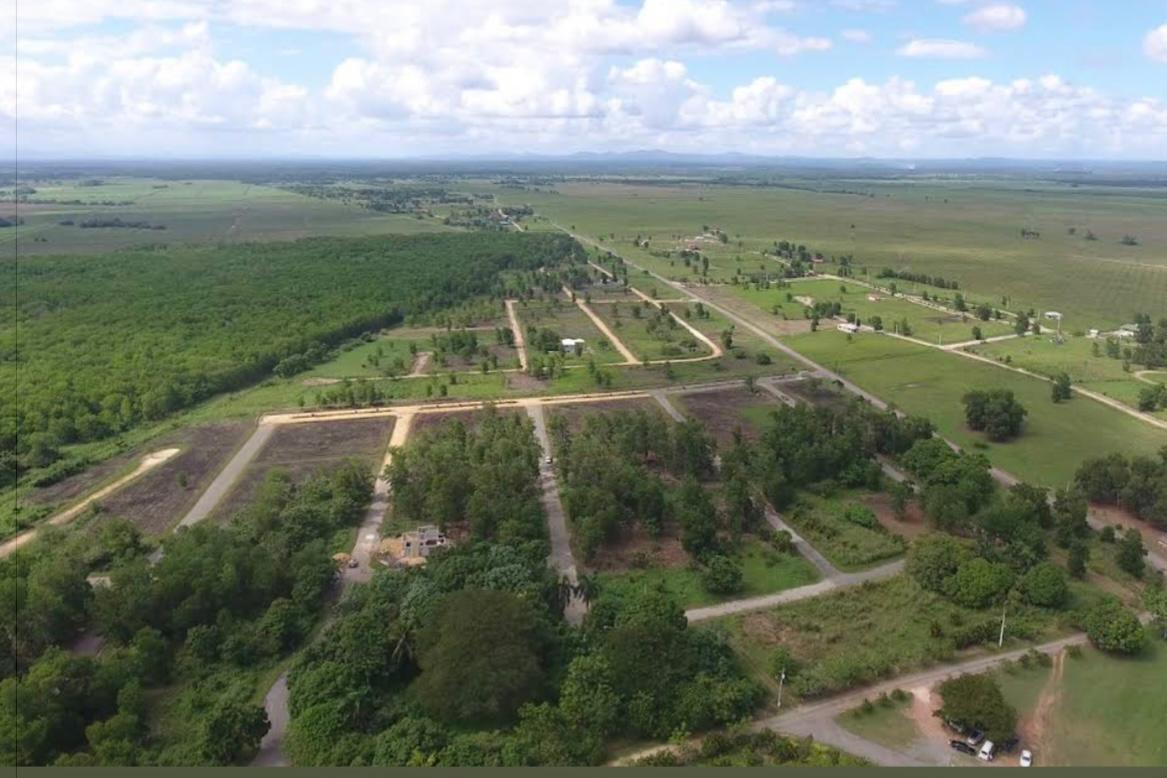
228	475
561	557
148	463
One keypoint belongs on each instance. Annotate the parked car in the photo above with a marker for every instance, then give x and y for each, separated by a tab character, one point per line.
987	751
963	747
1026	758
354	563
975	737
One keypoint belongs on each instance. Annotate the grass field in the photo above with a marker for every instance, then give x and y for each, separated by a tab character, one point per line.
1075	357
849	546
666	339
926	323
191	211
887	723
764	571
929	382
385	355
966	230
1094	709
567	321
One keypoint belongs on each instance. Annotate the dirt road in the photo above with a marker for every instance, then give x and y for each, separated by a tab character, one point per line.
520	339
601	325
148	463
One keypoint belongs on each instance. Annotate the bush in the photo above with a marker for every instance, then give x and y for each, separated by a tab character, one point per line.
1114	628
722	575
1045	585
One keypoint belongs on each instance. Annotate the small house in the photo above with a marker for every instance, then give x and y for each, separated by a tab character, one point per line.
848	327
422	541
569	344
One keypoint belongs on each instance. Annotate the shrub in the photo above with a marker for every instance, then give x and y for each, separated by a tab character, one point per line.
1114	628
723	575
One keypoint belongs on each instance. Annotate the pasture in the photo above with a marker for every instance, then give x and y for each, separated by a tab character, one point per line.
191	211
928	382
967	230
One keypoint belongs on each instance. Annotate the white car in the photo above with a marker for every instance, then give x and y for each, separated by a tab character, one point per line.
988	750
1026	758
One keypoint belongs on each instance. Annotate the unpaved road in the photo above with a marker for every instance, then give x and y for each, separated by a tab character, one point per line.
228	475
629	357
666	405
148	463
520	339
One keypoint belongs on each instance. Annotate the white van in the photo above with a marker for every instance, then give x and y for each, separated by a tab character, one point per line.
986	752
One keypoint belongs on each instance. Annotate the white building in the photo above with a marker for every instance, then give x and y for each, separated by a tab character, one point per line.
848	327
569	344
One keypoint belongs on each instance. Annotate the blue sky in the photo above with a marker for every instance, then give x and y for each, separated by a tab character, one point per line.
836	78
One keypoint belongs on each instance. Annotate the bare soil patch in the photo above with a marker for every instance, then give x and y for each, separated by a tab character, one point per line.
157	500
577	414
304	449
817	392
1034	727
1154	539
721	411
913	524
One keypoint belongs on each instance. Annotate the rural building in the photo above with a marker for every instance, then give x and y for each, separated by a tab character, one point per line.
412	548
848	327
569	344
873	297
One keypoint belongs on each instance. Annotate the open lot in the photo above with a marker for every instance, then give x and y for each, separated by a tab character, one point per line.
566	320
726	410
651	334
832	525
929	382
302	449
191	211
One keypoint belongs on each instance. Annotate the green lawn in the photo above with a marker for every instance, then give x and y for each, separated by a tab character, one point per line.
1107	710
377	358
929	382
1075	357
887	723
849	546
764	571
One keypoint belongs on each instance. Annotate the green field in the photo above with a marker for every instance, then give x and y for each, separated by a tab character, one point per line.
764	571
667	339
1100	709
849	546
567	321
928	382
191	211
377	358
1075	357
966	230
887	723
926	323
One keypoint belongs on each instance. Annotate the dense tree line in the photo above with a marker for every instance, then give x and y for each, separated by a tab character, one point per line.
222	602
1137	483
483	475
919	278
112	340
467	662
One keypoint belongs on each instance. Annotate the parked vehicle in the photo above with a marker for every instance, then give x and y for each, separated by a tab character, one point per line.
1026	758
963	747
987	751
975	737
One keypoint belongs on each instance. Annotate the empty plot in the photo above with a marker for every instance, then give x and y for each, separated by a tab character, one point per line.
726	410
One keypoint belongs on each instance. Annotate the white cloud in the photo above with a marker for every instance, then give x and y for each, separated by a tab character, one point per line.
856	36
940	48
996	18
1155	44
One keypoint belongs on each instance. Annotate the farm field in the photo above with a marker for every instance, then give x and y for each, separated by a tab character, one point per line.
925	323
1075	357
303	449
1093	709
968	231
191	211
928	382
844	529
764	571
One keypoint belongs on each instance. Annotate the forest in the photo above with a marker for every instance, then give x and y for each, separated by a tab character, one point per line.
110	341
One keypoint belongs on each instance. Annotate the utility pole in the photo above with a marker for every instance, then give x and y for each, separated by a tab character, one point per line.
1001	637
781	681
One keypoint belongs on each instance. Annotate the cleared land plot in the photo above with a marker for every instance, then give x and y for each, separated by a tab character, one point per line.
1075	357
564	318
788	320
650	333
302	449
574	415
856	636
888	723
156	501
968	231
844	529
725	410
191	211
385	355
928	382
764	571
1094	709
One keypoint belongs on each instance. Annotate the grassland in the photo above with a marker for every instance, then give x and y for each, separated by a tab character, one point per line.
1094	709
764	571
567	321
649	335
968	230
191	211
1075	357
850	546
928	382
887	723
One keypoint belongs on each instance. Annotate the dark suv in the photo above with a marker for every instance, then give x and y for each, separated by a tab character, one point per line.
963	747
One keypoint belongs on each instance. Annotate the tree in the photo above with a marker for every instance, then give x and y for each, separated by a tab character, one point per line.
1155	601
480	657
588	697
1044	585
231	730
980	583
996	412
1114	628
934	559
1061	388
976	701
1079	556
1131	552
723	575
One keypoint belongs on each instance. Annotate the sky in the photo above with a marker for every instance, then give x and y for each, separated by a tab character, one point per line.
1049	79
